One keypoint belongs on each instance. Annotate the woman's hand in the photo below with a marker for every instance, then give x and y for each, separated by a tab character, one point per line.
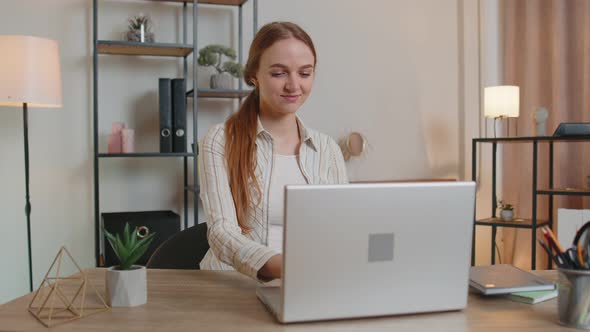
272	269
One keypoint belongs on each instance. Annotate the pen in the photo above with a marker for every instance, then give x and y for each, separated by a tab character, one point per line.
544	245
574	261
565	260
552	236
557	259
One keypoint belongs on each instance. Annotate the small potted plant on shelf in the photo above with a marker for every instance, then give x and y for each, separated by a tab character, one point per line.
126	283
212	55
506	211
139	29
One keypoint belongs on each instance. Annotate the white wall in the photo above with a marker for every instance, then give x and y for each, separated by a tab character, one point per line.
388	69
393	70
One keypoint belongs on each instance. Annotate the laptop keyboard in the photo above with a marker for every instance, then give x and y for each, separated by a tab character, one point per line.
272	298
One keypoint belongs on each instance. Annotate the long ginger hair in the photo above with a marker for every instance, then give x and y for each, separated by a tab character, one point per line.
240	128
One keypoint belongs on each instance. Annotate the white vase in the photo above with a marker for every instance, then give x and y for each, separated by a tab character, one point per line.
221	81
126	288
136	36
507	215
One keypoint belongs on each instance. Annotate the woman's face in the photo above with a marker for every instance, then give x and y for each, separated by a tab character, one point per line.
285	76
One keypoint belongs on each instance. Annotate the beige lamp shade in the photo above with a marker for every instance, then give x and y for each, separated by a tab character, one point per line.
501	101
29	72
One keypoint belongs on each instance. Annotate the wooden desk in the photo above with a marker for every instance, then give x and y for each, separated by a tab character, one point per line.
226	301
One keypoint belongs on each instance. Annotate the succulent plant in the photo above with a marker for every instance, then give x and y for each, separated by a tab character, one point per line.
504	206
212	55
137	21
128	248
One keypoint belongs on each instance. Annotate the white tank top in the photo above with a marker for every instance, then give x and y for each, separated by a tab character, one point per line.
285	170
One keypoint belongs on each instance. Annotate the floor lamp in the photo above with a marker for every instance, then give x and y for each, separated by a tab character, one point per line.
29	77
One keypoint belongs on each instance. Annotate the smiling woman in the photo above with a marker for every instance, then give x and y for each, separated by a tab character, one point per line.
284	78
247	161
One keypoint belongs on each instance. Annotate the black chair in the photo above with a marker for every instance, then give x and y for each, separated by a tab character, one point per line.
183	251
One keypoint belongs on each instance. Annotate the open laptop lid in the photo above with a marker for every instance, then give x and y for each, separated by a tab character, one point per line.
363	250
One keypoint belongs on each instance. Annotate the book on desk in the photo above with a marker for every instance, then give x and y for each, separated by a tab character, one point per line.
505	279
532	297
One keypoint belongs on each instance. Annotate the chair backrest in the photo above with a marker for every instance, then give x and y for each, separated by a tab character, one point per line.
184	251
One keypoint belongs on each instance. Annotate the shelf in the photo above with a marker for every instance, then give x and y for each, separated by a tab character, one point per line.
192	189
183	50
565	191
145	154
528	139
208	2
136	48
516	223
218	93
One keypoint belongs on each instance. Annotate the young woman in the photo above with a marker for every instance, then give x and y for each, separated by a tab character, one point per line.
247	161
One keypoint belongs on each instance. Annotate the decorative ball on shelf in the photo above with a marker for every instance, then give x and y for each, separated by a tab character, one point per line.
212	56
139	29
540	116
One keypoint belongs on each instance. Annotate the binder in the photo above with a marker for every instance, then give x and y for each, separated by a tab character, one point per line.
179	114
165	107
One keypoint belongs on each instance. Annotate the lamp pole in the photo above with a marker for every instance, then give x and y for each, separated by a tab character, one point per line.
28	204
31	77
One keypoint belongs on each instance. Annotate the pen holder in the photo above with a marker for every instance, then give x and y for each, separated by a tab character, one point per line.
574	298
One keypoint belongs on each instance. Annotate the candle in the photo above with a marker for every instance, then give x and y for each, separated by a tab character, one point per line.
142	32
115	139
128	138
114	145
116	127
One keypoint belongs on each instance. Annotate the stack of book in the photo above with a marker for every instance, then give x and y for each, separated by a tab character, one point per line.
172	108
512	283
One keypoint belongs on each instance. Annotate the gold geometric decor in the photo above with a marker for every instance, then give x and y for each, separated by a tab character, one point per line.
69	293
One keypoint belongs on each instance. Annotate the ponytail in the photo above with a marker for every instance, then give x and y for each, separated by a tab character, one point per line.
240	148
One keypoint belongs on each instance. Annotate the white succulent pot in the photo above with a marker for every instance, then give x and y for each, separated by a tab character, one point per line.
126	288
507	215
221	81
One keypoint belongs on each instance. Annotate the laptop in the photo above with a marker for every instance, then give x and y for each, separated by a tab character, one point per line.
365	250
572	129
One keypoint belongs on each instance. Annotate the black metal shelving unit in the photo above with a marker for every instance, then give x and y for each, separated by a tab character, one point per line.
175	50
534	222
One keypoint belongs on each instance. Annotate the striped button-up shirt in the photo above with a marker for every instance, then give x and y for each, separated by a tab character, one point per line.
320	161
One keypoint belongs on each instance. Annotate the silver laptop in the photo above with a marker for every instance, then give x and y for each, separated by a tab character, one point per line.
362	250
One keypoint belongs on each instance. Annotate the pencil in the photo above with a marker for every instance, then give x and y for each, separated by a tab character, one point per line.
559	253
581	257
550	232
549	253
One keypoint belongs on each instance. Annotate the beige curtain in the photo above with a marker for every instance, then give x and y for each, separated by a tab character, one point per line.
546	51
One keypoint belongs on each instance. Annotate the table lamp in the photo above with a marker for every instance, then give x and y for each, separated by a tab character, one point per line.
501	102
29	77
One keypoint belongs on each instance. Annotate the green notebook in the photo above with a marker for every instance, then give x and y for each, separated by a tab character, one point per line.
532	297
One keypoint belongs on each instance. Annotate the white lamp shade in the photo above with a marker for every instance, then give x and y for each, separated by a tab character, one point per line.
501	101
29	72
